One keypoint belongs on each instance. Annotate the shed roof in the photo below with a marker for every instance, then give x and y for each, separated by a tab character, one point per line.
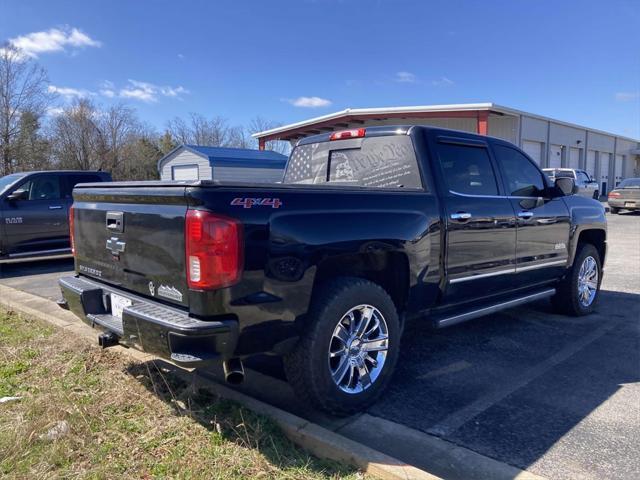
235	157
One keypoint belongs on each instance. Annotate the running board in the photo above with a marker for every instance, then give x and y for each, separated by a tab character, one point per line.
480	312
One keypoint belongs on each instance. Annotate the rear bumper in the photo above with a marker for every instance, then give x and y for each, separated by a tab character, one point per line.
151	326
629	203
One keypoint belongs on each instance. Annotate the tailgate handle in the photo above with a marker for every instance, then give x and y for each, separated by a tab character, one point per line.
115	222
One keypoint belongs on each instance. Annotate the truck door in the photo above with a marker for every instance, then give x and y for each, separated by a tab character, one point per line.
543	222
480	222
37	219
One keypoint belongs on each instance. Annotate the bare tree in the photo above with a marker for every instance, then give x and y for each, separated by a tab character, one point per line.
199	130
260	124
23	88
118	127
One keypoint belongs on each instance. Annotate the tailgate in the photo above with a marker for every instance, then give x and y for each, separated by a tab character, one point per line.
133	238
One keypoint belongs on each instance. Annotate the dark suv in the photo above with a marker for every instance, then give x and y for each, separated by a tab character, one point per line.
34	210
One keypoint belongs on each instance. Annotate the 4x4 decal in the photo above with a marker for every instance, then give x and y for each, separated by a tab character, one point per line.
251	202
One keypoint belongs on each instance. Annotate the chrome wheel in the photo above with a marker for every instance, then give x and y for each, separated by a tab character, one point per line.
358	349
588	281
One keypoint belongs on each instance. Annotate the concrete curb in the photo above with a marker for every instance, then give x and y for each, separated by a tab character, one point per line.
320	441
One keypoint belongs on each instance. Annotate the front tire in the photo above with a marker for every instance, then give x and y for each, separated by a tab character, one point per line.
596	195
346	355
578	292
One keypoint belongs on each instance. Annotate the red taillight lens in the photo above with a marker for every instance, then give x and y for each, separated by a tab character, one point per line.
614	194
343	134
72	233
213	247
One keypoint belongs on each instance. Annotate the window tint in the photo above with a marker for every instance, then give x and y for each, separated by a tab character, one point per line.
467	169
376	162
71	181
46	187
522	177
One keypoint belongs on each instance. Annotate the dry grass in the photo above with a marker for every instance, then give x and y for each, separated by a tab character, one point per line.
127	420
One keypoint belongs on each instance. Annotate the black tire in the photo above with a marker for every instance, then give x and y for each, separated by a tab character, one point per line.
308	366
566	300
596	195
614	210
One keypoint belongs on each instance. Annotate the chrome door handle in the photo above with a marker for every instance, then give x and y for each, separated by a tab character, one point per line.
460	216
525	214
55	207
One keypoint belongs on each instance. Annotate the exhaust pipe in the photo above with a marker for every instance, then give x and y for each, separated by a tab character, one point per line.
233	371
107	339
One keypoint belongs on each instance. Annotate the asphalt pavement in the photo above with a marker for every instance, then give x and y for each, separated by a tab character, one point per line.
557	396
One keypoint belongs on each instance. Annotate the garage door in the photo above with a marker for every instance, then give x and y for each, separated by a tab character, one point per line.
555	156
604	172
533	149
591	163
618	174
184	172
574	158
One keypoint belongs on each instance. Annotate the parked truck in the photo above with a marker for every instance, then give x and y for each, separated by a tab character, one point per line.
370	229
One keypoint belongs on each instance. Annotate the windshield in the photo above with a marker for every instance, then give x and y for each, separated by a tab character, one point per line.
630	183
7	181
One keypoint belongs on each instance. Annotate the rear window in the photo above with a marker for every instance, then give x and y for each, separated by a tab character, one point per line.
558	173
630	183
375	162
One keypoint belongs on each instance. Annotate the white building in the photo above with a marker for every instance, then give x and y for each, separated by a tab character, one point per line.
194	162
605	156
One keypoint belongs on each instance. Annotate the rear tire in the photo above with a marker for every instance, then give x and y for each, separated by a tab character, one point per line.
614	210
334	366
596	195
578	293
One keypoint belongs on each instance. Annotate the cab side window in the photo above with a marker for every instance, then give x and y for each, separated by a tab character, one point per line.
71	181
46	187
522	177
582	177
467	169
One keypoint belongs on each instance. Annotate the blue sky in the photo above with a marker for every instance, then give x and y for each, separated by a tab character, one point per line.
578	61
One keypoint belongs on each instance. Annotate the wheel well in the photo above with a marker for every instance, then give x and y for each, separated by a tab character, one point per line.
597	238
390	270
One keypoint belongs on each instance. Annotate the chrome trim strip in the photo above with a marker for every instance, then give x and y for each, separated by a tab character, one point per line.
541	265
483	275
515	269
514	197
39	252
463	317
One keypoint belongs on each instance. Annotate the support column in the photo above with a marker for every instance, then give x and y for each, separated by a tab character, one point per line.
482	125
261	144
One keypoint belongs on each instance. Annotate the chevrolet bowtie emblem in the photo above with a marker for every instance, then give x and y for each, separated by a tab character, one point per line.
116	246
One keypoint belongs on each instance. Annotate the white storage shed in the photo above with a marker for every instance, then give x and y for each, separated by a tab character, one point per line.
195	162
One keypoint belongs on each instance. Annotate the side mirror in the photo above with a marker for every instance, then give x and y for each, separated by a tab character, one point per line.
18	195
566	185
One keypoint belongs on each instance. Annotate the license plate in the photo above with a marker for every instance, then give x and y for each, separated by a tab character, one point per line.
629	204
118	302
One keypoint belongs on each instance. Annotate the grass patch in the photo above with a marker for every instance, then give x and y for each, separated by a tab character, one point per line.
138	420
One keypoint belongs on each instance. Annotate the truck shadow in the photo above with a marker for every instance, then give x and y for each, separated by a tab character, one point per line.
513	385
188	395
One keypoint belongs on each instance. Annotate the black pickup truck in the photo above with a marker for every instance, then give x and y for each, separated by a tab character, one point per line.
34	212
370	229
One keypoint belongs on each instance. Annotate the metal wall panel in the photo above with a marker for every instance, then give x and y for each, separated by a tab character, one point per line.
185	157
534	150
591	163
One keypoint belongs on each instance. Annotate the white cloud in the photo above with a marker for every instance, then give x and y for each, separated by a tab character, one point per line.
69	93
627	96
442	82
54	111
309	102
149	92
52	40
405	77
181	56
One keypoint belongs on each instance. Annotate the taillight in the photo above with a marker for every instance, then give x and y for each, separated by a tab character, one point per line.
343	134
213	247
72	233
614	194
